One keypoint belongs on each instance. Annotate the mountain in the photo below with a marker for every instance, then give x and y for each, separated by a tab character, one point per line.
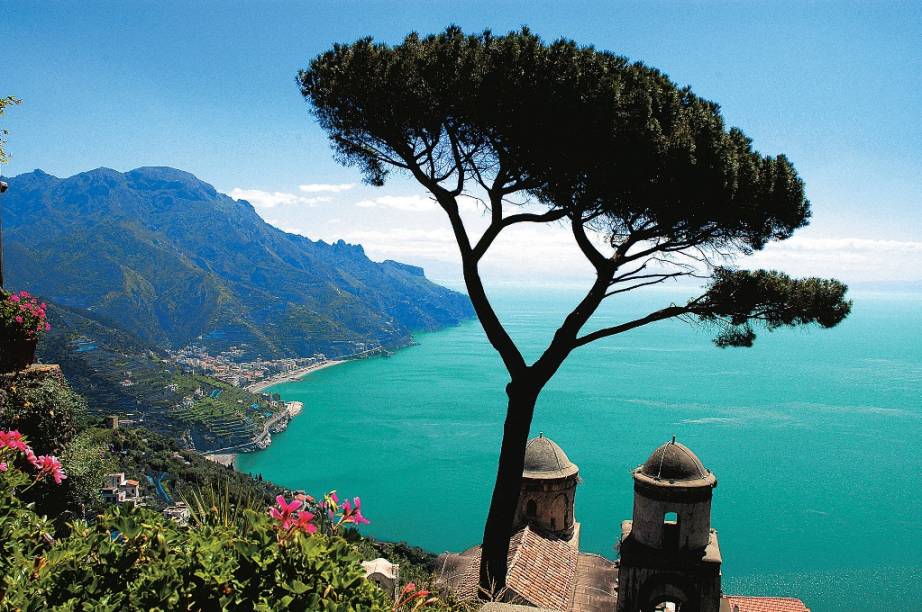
160	253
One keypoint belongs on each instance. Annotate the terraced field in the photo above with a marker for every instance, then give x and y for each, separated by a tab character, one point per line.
121	375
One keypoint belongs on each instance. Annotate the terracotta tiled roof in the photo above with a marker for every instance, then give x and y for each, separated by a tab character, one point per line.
542	571
596	585
740	603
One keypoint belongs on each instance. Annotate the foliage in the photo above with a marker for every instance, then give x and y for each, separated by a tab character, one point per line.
138	452
23	533
4	104
22	316
738	299
88	461
44	410
234	555
135	559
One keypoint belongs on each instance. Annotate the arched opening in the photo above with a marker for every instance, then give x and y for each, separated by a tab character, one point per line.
531	508
668	592
671	531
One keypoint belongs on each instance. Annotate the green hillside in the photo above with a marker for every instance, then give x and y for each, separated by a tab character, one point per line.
121	374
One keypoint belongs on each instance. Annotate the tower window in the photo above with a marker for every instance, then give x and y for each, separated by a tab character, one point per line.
531	508
671	531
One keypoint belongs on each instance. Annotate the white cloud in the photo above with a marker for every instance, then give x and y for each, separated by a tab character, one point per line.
851	259
326	187
851	245
271	199
413	203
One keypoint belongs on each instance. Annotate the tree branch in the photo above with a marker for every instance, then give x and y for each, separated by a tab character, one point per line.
659	315
499	225
595	257
658	279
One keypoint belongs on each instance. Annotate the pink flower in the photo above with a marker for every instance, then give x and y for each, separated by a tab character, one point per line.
2	466
18	319
304	522
14	298
48	465
283	514
47	326
352	513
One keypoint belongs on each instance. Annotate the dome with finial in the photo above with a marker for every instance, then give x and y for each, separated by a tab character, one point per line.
545	460
675	463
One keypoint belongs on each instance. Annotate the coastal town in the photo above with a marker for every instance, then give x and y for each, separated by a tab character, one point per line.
251	375
260	374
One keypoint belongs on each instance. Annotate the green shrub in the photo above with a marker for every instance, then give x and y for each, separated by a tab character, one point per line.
135	559
45	411
88	461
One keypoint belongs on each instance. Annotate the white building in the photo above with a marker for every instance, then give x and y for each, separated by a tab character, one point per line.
117	489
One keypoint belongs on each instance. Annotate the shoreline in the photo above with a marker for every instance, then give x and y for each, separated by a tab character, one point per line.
292	376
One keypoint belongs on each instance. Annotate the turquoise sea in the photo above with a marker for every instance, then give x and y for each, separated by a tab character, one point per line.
814	436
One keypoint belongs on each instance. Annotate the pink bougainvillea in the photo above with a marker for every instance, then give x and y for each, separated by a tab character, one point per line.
24	314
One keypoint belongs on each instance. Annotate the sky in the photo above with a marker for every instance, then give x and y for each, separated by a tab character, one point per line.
209	87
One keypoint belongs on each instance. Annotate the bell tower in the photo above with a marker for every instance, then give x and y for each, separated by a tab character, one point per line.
547	496
669	553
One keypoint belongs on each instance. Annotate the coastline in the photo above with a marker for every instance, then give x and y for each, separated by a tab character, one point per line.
293	375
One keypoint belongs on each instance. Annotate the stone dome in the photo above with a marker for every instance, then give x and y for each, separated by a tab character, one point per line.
674	462
545	460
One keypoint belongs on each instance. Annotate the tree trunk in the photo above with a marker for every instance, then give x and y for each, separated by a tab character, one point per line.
498	528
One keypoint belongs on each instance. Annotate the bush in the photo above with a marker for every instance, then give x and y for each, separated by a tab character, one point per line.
88	461
137	560
45	411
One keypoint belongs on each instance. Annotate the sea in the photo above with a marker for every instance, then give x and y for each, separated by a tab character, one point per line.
815	437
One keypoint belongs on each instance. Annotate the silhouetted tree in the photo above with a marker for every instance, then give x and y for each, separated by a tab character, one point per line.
644	173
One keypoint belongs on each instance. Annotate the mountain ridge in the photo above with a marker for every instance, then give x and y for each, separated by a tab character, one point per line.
165	255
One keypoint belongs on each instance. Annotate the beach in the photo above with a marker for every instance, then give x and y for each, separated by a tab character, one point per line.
292	375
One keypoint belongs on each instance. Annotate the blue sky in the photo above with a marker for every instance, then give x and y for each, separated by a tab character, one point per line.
209	87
